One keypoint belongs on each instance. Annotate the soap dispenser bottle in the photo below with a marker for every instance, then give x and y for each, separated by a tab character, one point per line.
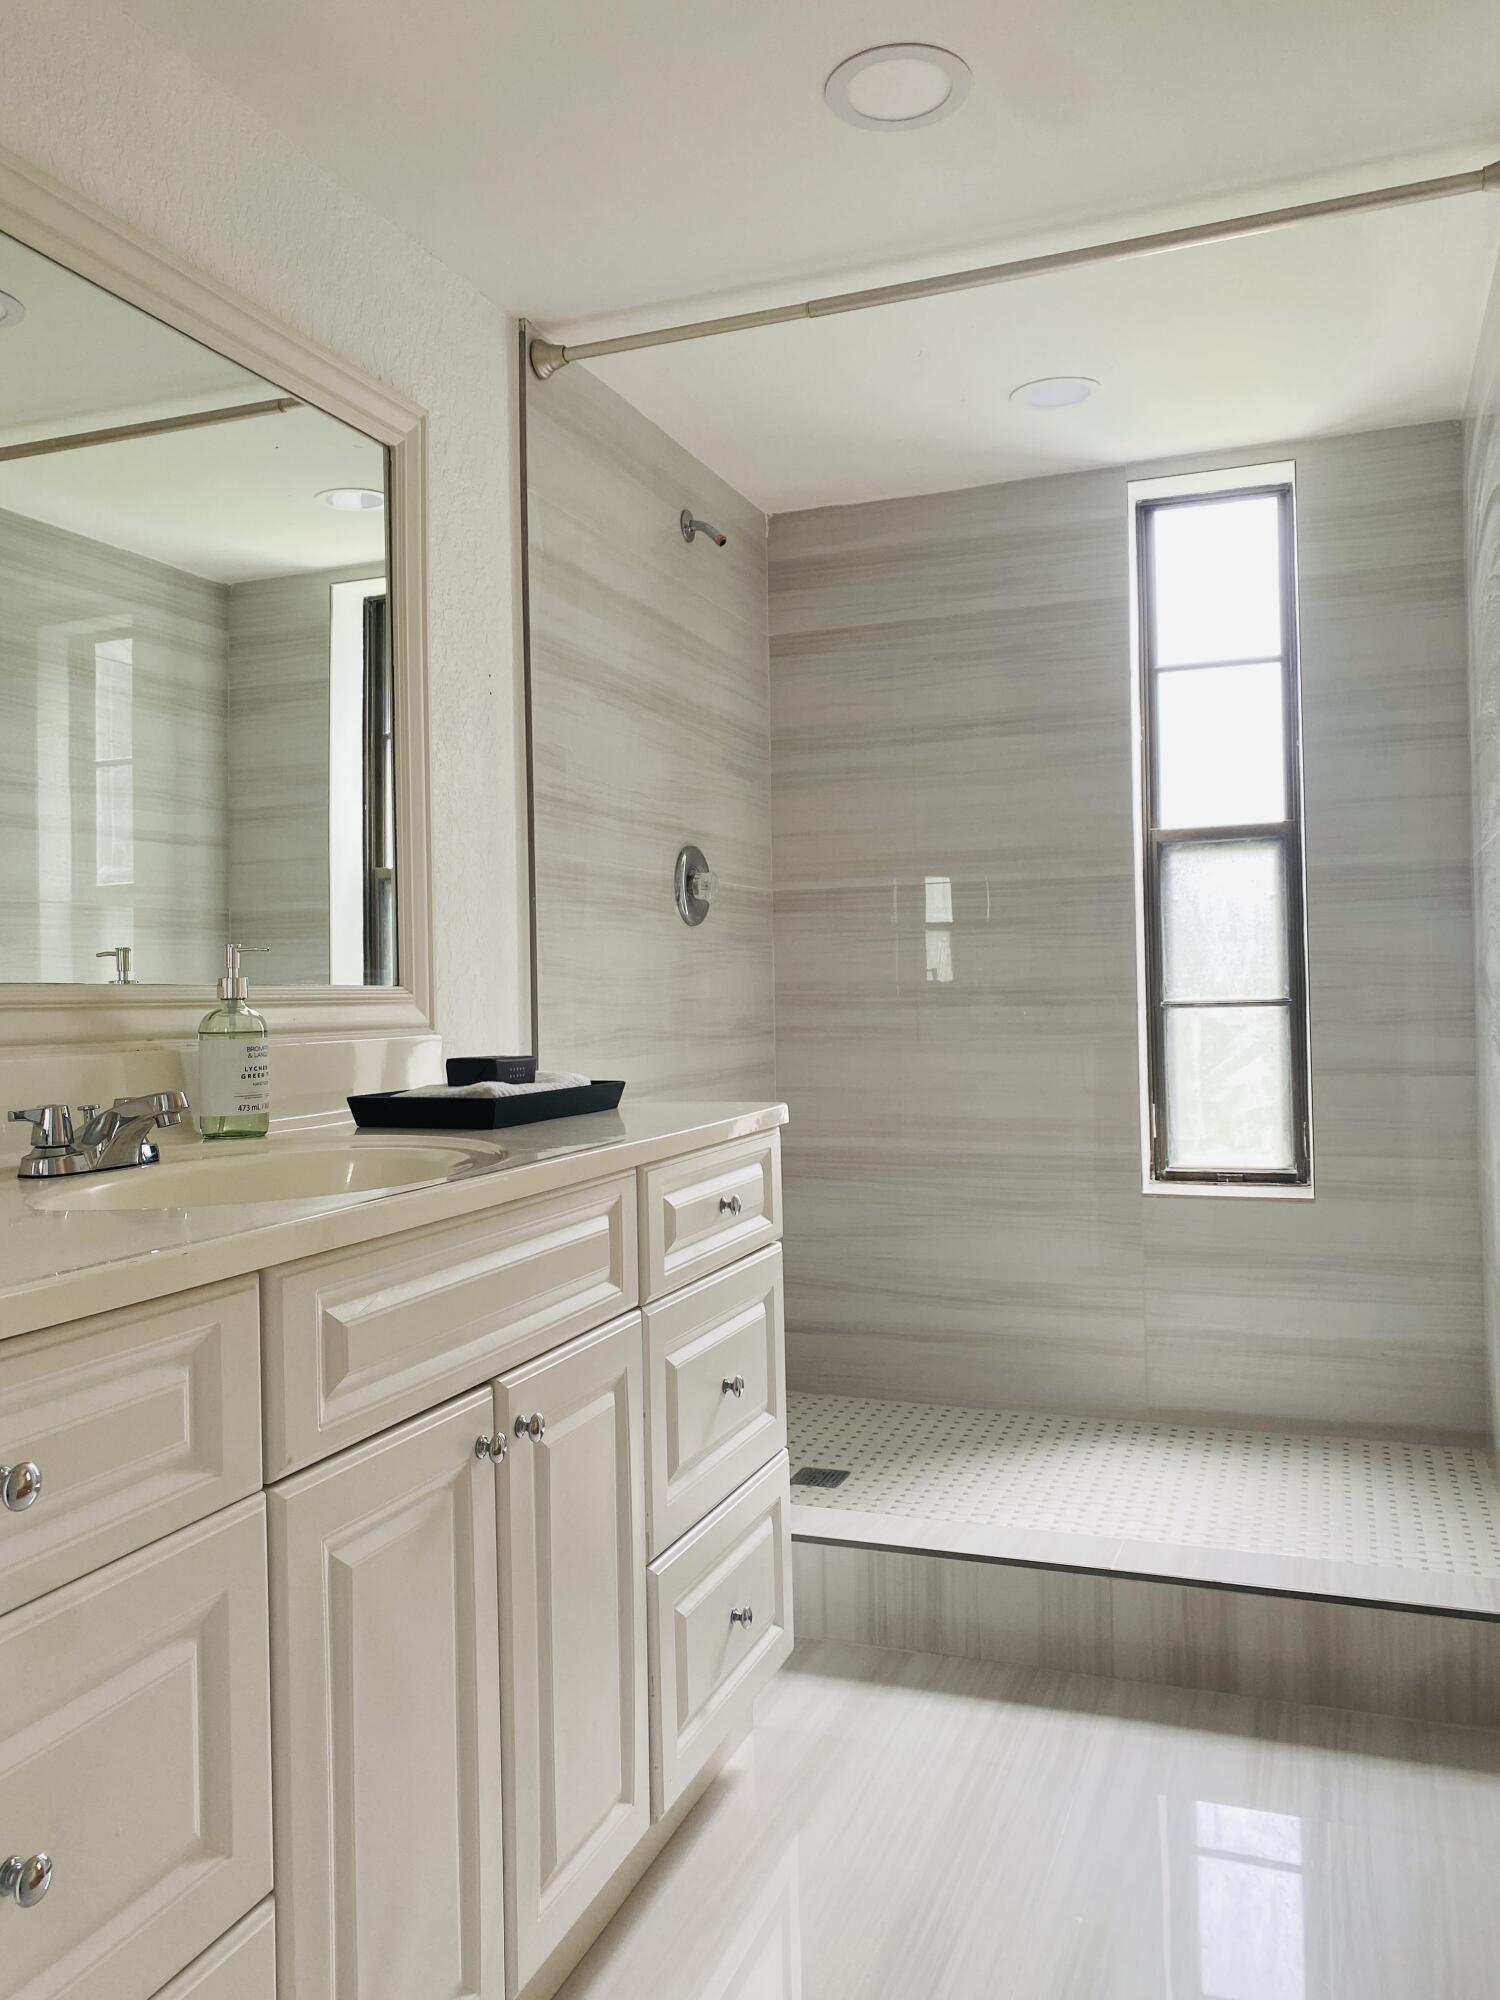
234	1062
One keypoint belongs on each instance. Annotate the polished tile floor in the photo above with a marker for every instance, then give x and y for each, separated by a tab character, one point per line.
901	1827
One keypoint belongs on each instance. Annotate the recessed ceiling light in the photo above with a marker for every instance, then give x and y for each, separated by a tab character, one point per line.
1055	392
12	312
353	499
898	87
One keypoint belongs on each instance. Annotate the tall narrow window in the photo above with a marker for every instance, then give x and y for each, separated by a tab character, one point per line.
1223	950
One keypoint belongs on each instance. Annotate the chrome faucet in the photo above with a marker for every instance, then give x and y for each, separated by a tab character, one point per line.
119	1136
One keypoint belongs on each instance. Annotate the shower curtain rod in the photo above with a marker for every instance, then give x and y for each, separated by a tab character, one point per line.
153	427
548	356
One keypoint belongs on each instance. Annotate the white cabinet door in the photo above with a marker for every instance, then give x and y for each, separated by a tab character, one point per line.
573	1632
386	1689
134	1750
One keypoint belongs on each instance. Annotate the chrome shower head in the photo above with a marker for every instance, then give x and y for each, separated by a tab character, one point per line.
691	527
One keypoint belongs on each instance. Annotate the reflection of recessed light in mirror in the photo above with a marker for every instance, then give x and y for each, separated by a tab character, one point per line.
12	312
898	87
353	499
1055	392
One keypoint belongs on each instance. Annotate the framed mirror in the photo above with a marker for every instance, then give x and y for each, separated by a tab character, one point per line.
211	682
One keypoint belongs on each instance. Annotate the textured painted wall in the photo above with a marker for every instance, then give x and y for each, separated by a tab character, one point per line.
92	98
1482	534
651	713
105	655
965	1222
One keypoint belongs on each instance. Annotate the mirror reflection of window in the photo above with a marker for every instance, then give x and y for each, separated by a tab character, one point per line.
114	773
1236	1892
181	765
939	914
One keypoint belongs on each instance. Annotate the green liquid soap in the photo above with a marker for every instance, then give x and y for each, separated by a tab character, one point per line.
234	1062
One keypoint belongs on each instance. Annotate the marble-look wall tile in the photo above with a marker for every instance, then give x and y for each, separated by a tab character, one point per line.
71	608
952	766
1482	539
1427	1666
650	704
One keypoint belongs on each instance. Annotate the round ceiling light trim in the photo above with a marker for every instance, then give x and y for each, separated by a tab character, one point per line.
1054	392
353	499
898	86
12	312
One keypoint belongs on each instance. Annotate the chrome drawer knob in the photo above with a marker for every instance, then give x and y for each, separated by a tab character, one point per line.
20	1485
26	1881
744	1616
730	1204
491	1448
533	1427
734	1385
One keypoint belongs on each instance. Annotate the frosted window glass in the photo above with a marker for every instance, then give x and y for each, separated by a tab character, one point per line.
1219	756
1224	920
1229	1088
1217	581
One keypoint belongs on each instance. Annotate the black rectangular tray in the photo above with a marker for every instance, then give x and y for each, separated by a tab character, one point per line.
389	1111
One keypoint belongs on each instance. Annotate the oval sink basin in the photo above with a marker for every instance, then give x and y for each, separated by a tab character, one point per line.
229	1180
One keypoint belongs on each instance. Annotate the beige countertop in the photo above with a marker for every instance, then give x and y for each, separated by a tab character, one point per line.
59	1265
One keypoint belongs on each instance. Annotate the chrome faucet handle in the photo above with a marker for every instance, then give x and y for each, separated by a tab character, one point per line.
165	1106
51	1126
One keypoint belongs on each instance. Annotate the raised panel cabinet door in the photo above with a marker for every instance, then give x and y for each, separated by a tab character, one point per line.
137	1422
386	1686
241	1966
135	1752
573	1632
357	1340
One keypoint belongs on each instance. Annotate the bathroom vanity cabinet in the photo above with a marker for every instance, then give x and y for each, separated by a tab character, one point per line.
381	1610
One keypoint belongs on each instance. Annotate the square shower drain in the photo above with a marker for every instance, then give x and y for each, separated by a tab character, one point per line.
820	1475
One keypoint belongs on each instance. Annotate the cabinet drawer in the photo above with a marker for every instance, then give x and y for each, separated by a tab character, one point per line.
139	1422
358	1340
241	1966
135	1751
705	1438
701	1213
706	1666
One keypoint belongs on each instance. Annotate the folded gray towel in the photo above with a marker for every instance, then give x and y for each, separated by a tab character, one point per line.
555	1080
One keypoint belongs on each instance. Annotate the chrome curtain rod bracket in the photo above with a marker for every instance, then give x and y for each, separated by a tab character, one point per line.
548	356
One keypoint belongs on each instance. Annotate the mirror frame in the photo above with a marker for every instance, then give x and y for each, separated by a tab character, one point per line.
86	239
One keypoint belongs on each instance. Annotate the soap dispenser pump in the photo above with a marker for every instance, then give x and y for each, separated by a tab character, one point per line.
234	1060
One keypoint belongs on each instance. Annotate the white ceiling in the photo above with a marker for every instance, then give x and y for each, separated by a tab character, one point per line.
1343	325
228	502
596	166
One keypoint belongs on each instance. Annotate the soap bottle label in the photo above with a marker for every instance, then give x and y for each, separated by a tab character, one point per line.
234	1076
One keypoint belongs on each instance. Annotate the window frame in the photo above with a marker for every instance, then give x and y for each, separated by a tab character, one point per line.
1147	500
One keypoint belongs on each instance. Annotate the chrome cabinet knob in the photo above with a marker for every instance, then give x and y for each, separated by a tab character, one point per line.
26	1881
734	1385
744	1616
730	1204
491	1448
533	1427
19	1485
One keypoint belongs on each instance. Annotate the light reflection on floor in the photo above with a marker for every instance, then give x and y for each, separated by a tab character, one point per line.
935	1829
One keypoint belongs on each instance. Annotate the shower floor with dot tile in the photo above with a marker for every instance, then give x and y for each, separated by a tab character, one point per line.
1389	1520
